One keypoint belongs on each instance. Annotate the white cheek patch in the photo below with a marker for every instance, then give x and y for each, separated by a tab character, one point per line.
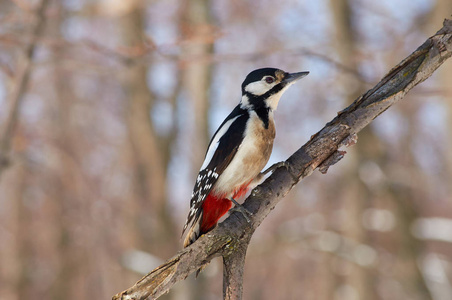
259	87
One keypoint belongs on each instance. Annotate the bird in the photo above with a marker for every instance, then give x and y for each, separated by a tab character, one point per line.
238	151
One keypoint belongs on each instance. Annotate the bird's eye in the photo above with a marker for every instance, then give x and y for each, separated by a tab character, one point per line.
269	79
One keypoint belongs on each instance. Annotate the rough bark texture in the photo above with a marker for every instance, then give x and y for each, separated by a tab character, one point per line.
233	235
234	264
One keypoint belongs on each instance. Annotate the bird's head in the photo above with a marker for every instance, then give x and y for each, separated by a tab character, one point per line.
264	87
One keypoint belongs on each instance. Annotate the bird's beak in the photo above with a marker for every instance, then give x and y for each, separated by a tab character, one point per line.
292	77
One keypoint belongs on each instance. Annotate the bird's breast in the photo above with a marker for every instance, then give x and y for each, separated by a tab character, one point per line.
251	157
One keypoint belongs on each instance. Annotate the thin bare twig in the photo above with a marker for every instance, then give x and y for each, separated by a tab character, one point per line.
231	237
142	52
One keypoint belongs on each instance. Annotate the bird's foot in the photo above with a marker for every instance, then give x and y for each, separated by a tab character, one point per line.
239	208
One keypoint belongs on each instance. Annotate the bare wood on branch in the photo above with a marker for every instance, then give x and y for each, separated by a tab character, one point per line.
230	239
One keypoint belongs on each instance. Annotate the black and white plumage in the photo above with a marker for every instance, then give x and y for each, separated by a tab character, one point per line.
238	151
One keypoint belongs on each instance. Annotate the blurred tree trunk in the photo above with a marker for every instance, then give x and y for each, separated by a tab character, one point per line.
151	150
11	262
197	32
67	194
20	83
16	281
408	249
358	195
157	231
353	194
404	197
442	10
409	199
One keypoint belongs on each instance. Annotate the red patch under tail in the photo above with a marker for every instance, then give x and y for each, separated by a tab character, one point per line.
213	209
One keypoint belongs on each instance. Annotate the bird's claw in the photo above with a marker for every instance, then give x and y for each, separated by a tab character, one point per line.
239	208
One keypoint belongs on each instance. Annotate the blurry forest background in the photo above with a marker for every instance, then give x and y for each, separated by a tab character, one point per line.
107	107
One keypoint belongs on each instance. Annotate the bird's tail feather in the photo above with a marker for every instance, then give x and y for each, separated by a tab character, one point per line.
193	233
213	209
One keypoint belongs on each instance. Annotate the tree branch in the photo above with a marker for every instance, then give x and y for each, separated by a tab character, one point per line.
230	238
233	268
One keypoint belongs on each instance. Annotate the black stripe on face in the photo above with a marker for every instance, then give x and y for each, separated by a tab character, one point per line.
258	101
276	89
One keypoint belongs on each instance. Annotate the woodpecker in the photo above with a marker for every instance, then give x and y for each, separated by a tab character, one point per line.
238	151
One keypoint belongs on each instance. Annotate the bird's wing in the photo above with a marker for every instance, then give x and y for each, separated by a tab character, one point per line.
221	151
